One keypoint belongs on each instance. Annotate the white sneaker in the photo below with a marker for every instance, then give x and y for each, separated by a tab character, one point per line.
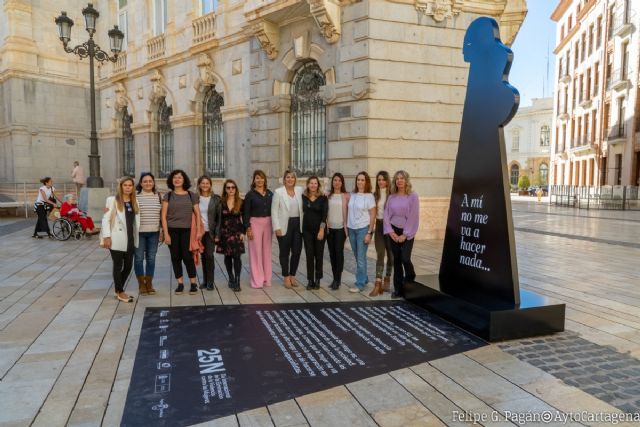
355	290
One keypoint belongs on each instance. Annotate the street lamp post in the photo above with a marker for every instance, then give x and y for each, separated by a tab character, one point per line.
91	50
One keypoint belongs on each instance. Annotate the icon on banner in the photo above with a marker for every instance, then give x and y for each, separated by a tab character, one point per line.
164	365
164	354
163	327
164	313
163	383
163	338
160	407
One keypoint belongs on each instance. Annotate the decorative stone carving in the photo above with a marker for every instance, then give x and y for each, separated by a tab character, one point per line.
327	15
439	10
121	101
157	89
205	68
268	35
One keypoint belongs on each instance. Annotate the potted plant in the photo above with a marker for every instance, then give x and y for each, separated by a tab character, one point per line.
523	185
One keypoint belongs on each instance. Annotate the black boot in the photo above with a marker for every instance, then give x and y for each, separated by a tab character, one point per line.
211	286
232	281
316	285
310	285
236	285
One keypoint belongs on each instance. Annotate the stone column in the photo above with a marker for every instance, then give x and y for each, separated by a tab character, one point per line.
237	146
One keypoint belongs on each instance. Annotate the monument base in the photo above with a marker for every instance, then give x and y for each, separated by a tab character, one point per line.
93	201
488	318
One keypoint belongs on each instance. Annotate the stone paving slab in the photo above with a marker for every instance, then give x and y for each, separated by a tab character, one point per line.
67	346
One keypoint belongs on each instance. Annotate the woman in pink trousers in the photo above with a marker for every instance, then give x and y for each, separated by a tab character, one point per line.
257	220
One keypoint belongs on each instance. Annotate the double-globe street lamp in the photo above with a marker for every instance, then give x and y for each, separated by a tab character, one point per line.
91	50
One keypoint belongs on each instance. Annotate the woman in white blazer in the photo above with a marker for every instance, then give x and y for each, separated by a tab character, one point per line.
286	218
120	226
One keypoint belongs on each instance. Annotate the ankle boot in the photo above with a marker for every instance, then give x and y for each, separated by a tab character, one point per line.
149	283
377	288
386	284
142	286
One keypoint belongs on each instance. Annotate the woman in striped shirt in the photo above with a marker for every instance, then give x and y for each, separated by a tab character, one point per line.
150	232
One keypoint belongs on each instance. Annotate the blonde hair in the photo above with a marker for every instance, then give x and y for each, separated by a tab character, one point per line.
289	172
120	195
318	191
407	187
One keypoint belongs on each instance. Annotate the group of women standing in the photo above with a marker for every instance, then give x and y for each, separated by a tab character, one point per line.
198	223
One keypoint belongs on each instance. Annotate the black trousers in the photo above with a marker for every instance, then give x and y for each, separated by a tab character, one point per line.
234	267
314	251
208	261
335	240
290	248
122	265
180	253
402	266
42	226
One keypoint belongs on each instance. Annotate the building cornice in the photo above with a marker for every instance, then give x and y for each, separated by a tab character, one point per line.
560	9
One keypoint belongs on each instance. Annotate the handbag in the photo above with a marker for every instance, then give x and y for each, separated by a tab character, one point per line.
112	218
54	214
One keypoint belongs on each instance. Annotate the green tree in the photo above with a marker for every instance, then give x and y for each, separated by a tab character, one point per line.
523	182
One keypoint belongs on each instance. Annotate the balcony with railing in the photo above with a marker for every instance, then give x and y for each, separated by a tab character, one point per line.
204	28
620	79
563	113
120	66
623	24
617	134
155	47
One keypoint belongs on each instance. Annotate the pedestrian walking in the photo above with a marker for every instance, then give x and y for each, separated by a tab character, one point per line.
257	220
45	203
77	175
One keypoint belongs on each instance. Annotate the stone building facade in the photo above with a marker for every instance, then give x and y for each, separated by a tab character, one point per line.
596	130
44	96
528	140
227	86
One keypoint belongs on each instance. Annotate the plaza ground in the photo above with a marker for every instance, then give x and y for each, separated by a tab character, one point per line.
67	347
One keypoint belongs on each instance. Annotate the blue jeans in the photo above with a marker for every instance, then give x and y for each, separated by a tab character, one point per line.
146	251
356	238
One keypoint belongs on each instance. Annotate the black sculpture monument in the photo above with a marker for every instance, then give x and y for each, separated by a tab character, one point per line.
477	287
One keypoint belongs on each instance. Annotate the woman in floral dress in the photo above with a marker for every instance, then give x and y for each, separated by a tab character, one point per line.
230	242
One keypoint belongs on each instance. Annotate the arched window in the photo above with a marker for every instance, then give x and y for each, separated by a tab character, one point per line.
166	139
515	140
545	136
515	174
128	148
544	174
308	122
213	134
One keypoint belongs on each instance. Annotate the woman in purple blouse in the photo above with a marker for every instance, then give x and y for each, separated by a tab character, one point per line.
400	221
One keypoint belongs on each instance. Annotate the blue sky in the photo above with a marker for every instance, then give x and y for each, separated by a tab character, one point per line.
534	43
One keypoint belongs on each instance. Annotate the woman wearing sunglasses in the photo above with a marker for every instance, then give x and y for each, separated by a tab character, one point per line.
230	242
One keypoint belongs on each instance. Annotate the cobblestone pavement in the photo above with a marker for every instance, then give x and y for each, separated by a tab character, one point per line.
599	370
67	346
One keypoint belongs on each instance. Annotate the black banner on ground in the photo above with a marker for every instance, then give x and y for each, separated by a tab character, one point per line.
195	364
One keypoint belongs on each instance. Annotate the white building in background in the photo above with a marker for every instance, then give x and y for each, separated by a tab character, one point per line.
596	120
528	142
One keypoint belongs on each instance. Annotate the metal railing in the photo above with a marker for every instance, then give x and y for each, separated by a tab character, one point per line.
618	131
610	197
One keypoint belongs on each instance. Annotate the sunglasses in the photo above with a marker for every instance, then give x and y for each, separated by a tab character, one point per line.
233	187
